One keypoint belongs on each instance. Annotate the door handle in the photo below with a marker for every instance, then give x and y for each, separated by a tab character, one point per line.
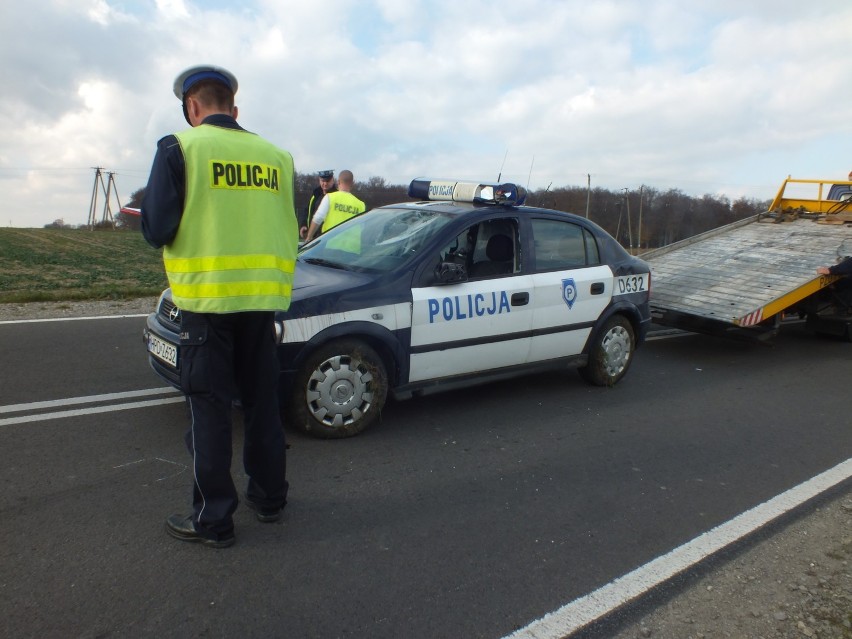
520	299
598	288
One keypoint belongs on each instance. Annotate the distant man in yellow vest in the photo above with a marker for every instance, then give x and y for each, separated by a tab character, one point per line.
220	201
336	207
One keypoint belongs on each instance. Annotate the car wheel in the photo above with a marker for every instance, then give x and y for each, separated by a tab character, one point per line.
611	352
339	391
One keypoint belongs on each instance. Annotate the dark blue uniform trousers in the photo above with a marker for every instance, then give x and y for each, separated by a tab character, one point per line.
225	357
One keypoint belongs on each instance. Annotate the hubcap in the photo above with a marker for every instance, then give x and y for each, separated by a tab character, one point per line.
616	349
339	391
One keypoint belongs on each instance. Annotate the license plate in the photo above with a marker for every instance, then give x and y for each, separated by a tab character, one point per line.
163	350
627	284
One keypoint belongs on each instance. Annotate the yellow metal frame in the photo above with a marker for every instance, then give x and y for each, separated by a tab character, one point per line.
818	205
776	306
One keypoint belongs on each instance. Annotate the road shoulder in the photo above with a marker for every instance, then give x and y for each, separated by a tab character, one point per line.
793	580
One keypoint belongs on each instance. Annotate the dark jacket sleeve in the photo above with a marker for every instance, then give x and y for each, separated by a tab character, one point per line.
162	205
844	268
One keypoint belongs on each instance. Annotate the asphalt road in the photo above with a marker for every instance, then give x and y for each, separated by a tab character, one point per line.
466	514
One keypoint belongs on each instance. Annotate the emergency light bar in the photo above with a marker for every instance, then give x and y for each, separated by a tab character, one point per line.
451	191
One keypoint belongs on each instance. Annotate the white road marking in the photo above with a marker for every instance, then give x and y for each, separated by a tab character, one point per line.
581	612
133	463
89	399
181	468
666	334
172	397
72	319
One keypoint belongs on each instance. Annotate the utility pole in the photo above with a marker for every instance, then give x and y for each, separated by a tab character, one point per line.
93	203
107	211
529	177
629	227
620	206
588	192
641	200
107	190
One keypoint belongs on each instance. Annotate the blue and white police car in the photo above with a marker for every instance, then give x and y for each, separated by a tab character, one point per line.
463	286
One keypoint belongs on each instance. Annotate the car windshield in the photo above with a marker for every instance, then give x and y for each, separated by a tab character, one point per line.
380	240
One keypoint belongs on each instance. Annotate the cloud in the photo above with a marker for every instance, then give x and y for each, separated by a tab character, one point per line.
720	97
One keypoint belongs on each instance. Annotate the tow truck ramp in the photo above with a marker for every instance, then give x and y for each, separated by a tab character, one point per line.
738	280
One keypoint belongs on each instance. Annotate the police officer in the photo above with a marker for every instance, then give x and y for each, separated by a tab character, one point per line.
326	185
337	207
220	201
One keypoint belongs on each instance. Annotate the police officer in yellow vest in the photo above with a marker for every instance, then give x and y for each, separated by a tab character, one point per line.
220	201
336	207
325	185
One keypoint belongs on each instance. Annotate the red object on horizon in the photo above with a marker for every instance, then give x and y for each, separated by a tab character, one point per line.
130	211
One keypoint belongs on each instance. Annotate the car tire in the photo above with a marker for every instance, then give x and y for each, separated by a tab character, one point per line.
339	390
611	352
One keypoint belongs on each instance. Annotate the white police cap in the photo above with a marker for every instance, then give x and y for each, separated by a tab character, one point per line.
203	72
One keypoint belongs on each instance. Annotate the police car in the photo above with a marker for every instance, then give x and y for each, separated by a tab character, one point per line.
463	286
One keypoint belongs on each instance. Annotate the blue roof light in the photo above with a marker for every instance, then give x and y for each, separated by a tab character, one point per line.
477	192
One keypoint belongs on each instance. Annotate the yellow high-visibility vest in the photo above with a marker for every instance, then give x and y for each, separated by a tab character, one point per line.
342	206
235	248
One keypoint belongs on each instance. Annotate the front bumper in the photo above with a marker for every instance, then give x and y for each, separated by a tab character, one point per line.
164	325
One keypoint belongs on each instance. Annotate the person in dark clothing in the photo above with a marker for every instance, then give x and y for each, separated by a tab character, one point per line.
843	267
220	201
843	286
326	185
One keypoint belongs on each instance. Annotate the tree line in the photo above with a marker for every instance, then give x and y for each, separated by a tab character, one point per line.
639	219
648	218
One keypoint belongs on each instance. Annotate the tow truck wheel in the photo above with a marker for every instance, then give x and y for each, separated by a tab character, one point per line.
611	353
339	391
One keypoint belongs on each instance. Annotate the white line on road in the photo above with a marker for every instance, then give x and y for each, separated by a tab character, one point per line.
666	334
583	611
88	411
72	319
89	399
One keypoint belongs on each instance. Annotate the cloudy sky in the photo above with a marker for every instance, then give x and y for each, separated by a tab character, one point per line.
709	96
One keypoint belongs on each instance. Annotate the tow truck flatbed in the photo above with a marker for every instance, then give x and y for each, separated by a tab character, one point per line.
740	278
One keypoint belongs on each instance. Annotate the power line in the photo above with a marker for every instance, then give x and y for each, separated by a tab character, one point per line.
54	169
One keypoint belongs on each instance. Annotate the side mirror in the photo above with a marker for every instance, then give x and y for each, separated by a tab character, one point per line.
450	273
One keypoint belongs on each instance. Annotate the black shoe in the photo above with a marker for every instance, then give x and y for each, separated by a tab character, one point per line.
183	528
265	515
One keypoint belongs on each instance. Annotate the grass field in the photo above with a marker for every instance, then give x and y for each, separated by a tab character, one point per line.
77	264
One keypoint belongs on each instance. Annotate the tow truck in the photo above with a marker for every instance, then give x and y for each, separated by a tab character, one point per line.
743	279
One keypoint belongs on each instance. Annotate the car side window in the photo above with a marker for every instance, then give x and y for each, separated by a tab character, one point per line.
487	249
593	256
459	251
495	251
563	245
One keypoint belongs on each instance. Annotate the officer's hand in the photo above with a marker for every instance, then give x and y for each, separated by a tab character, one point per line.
303	231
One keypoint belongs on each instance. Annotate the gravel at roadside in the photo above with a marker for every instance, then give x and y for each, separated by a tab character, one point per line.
796	582
48	310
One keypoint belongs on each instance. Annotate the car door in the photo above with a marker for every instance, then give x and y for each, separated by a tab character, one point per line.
479	324
571	288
